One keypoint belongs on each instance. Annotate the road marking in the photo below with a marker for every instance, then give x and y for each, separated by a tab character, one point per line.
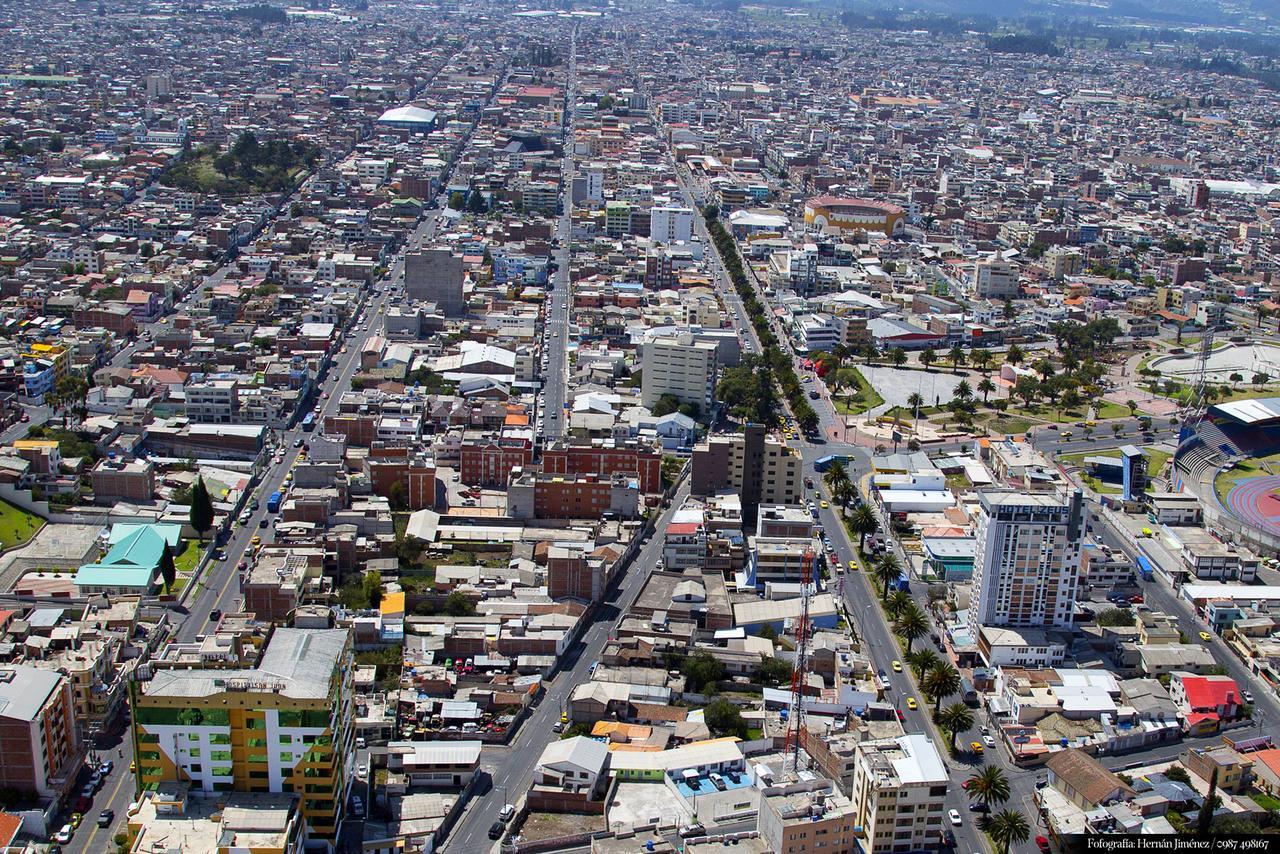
110	801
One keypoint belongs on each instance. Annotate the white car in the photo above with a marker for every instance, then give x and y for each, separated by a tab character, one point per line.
65	835
955	817
362	771
988	741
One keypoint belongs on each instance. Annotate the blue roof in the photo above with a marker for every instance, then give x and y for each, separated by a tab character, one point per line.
132	562
171	533
98	575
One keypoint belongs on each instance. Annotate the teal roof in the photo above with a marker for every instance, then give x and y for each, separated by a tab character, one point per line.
171	533
132	562
98	575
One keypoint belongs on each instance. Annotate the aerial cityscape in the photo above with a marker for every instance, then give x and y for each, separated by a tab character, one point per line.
634	426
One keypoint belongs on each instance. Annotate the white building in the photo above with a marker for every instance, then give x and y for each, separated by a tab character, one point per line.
899	794
669	224
681	366
1027	560
995	279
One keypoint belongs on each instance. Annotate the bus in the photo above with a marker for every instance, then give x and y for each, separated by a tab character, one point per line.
273	503
309	422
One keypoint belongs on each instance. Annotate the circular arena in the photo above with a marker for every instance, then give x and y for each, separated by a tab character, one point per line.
1231	460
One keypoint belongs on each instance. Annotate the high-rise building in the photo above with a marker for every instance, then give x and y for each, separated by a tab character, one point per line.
898	794
37	732
669	224
1027	559
811	816
752	463
435	275
283	725
994	279
681	366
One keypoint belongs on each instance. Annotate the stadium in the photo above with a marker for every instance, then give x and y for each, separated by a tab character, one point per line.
1230	459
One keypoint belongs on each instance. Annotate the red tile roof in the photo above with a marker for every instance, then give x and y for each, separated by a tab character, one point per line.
1210	692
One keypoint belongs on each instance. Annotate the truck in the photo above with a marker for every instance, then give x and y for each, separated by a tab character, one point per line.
273	503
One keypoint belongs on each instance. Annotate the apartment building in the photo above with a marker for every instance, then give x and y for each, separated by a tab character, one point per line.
761	469
668	224
898	789
807	818
1027	559
37	731
680	366
118	480
283	725
995	279
435	276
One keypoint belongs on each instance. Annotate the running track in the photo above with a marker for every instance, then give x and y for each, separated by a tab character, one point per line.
1257	502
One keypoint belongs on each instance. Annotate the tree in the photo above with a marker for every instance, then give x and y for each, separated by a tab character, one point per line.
1236	378
912	624
459	604
1009	828
955	719
981	359
913	444
773	671
956	356
476	203
1044	368
397	498
1133	407
724	718
665	405
915	401
1117	617
1205	819
887	570
896	602
964	391
1260	379
201	516
1028	389
701	671
939	683
371	584
898	357
923	660
768	632
989	786
168	571
1178	774
1014	355
986	386
863	523
457	200
928	357
57	143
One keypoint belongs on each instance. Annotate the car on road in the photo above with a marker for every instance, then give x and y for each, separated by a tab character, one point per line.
1247	696
1206	637
979	806
362	771
823	504
106	817
558	726
988	741
853	566
897	666
215	615
912	704
954	815
496	830
507	813
106	767
689	830
976	746
65	835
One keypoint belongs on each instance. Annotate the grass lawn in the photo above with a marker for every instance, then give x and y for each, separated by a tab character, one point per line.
1047	412
1155	462
859	397
17	526
1007	423
188	556
1267	802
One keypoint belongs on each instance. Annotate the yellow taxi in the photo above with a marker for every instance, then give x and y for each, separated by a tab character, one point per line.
1206	637
976	746
564	717
897	666
911	703
853	566
823	504
76	818
256	541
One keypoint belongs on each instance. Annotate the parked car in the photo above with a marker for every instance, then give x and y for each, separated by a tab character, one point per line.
64	835
496	830
954	815
717	781
695	829
106	817
507	813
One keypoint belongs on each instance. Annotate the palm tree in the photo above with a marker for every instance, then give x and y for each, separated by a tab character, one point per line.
964	391
887	570
955	719
898	356
863	522
989	786
912	624
835	474
915	401
1015	356
896	602
928	357
923	660
986	386
981	359
942	681
956	355
1009	827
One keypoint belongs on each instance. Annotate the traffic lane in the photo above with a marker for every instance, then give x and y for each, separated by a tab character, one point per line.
116	794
